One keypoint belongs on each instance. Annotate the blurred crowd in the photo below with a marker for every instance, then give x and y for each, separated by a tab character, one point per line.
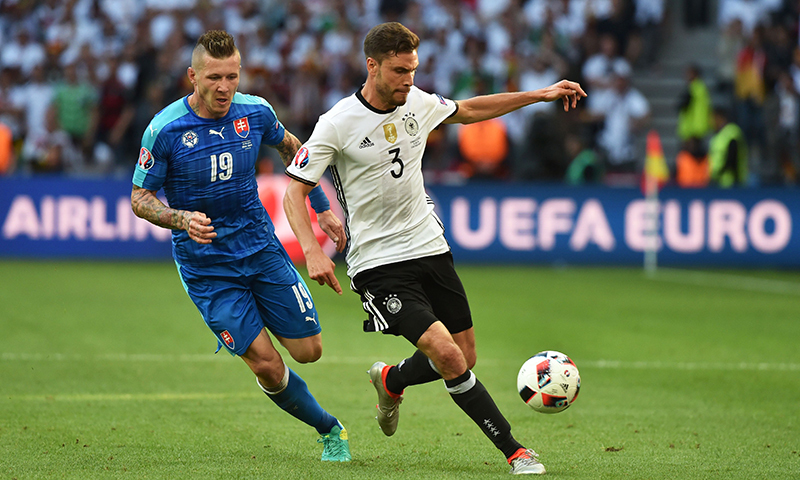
81	79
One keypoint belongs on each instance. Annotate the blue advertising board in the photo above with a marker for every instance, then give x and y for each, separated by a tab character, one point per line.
67	218
487	223
598	225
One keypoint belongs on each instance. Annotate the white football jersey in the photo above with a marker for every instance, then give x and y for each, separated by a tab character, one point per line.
375	159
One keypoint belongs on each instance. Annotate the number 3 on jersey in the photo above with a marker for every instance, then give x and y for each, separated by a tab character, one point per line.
398	172
225	166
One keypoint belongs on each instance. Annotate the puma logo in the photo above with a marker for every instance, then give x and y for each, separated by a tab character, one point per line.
211	131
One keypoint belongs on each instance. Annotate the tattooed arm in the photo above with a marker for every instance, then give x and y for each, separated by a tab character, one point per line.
329	222
288	147
146	205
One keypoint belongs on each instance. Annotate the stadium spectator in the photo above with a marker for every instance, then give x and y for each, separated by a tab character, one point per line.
750	13
647	32
788	131
484	149
731	42
750	92
691	164
75	101
11	104
230	262
599	68
7	157
694	107
398	259
533	153
38	94
586	166
50	150
22	54
727	152
116	111
619	24
624	111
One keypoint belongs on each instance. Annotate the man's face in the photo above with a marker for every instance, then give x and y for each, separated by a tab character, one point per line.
216	80
395	76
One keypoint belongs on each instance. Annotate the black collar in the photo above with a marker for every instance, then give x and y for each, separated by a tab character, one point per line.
364	102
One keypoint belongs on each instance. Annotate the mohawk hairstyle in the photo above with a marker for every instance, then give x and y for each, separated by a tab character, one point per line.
389	38
216	43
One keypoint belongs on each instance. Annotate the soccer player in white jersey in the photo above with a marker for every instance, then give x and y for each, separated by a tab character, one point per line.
202	149
397	257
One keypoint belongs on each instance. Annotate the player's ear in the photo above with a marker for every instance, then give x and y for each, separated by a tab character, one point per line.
372	65
192	75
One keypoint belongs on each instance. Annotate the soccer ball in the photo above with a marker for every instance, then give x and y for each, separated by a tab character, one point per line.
549	382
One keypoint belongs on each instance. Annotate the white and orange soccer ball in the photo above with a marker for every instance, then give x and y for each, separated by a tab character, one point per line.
549	382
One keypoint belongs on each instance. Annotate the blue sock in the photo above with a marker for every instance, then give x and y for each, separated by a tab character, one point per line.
296	400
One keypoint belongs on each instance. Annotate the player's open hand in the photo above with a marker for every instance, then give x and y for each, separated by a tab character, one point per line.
199	227
569	93
332	226
322	269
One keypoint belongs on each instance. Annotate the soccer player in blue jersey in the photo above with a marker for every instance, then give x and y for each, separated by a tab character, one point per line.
202	151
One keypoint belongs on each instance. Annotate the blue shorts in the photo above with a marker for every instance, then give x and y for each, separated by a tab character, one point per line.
237	299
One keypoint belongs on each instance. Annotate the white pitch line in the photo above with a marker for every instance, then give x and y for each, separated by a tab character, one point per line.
129	397
334	360
740	366
724	280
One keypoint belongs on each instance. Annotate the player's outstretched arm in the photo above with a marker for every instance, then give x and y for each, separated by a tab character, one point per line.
320	267
146	205
484	107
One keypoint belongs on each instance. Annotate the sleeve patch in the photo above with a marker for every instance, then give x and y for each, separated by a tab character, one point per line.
146	160
301	158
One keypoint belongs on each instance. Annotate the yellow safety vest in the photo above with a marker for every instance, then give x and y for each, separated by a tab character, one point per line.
718	153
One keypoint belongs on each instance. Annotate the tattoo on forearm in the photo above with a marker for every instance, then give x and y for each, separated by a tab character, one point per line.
147	206
288	147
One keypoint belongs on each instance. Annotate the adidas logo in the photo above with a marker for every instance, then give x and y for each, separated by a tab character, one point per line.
366	143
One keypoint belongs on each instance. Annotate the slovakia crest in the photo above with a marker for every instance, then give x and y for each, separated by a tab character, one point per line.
242	127
189	138
301	158
145	159
228	339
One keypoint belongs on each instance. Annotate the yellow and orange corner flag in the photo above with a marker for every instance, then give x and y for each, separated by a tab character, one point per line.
656	172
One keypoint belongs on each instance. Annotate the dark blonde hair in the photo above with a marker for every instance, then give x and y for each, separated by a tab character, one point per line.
215	43
389	39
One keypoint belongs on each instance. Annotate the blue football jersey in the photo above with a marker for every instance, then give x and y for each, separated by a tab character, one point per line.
208	165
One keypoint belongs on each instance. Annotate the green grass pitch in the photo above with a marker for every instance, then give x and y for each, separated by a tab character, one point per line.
107	371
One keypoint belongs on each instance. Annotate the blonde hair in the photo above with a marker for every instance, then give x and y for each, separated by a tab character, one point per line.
216	44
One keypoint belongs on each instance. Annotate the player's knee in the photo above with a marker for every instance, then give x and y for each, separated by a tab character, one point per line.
309	354
451	362
268	373
471	358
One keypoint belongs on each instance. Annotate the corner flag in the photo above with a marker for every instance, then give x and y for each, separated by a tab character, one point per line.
656	173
